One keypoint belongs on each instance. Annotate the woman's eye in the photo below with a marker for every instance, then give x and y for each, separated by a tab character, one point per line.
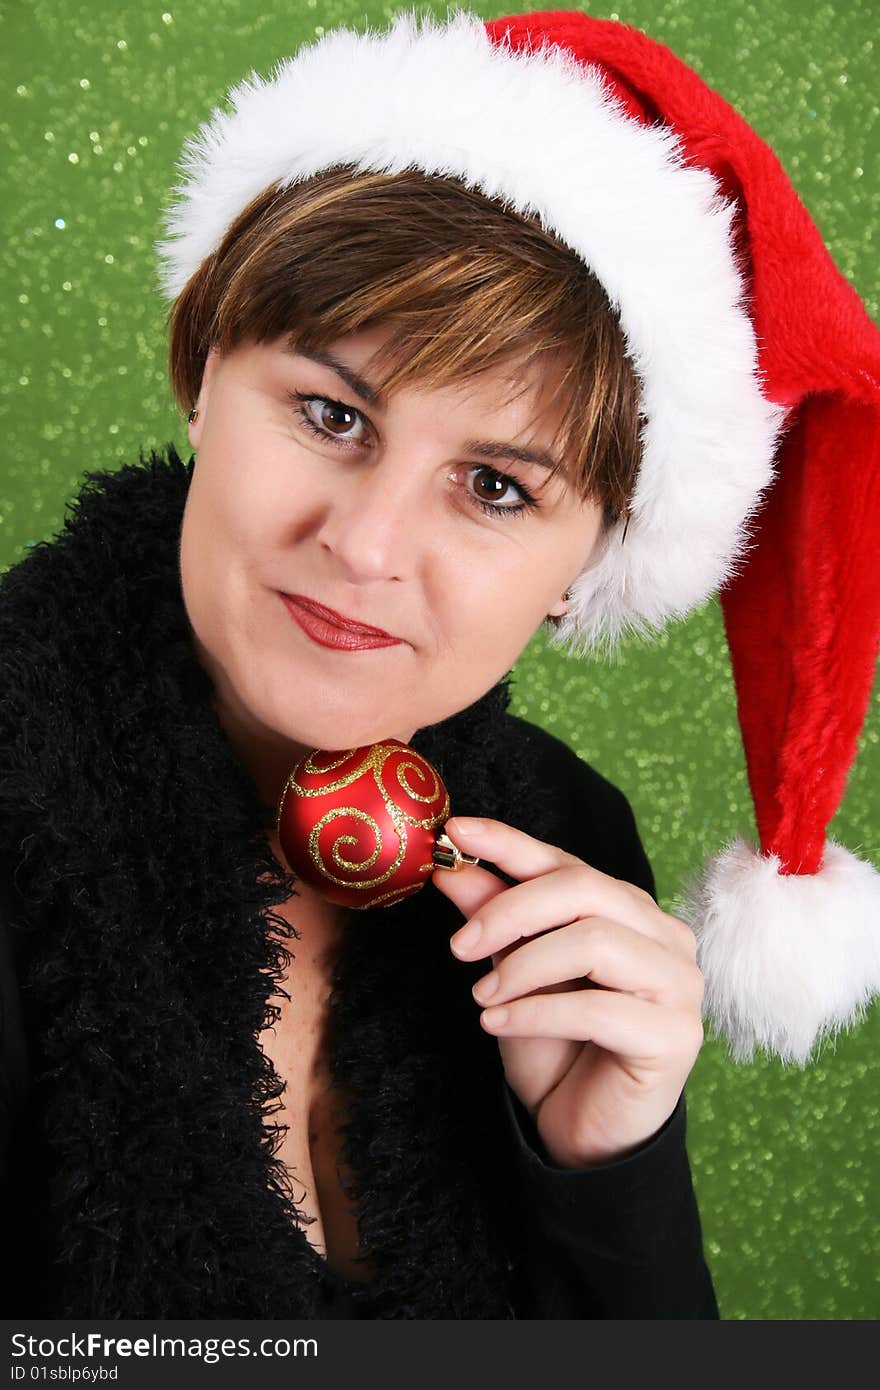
333	418
493	488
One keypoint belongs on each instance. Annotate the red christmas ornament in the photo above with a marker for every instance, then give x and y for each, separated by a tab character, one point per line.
362	825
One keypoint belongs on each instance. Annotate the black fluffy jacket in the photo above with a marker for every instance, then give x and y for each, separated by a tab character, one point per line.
137	892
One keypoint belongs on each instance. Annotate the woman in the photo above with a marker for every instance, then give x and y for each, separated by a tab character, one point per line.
415	413
443	555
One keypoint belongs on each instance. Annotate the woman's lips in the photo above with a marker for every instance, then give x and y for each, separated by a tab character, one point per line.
330	634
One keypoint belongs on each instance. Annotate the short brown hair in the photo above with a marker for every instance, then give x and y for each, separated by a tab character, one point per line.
467	285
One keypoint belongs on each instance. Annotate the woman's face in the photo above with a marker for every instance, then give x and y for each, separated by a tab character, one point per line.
382	511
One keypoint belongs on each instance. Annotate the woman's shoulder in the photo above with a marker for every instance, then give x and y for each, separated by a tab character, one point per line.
562	762
589	815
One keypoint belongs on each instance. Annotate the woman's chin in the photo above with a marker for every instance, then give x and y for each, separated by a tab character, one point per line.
344	738
338	735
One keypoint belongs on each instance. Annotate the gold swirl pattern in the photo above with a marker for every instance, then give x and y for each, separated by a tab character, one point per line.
421	769
320	864
375	758
388	898
338	858
308	766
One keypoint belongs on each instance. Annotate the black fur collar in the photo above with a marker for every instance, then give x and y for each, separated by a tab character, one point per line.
145	884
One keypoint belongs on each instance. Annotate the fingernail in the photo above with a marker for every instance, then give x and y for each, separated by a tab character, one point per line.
485	988
496	1018
467	937
464	828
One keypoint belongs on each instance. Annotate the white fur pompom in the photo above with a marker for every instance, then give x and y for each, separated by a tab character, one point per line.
788	959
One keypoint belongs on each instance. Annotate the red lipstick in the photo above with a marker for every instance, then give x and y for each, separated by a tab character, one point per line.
330	629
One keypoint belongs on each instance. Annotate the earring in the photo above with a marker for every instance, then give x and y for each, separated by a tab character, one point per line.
193	415
551	617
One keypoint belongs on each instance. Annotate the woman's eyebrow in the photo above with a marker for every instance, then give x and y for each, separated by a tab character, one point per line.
486	448
490	449
326	359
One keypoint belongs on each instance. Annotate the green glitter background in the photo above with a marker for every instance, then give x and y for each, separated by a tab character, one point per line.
98	98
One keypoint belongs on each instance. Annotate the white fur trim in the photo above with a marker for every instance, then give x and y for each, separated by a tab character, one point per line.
657	233
788	959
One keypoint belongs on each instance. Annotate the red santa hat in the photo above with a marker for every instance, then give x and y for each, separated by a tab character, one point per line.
760	385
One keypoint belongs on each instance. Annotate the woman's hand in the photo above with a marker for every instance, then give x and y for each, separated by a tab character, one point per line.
601	989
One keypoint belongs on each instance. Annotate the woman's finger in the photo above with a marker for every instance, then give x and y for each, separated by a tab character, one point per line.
606	953
525	858
638	1031
513	851
469	888
556	899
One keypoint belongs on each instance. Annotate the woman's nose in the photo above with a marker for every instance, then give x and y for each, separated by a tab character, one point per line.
377	523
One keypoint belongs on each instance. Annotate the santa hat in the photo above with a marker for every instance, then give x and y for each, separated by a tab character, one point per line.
760	386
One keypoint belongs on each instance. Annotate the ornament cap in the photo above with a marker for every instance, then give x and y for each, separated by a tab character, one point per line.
446	855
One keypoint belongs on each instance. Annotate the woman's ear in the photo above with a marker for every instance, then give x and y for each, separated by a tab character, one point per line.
560	608
196	424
